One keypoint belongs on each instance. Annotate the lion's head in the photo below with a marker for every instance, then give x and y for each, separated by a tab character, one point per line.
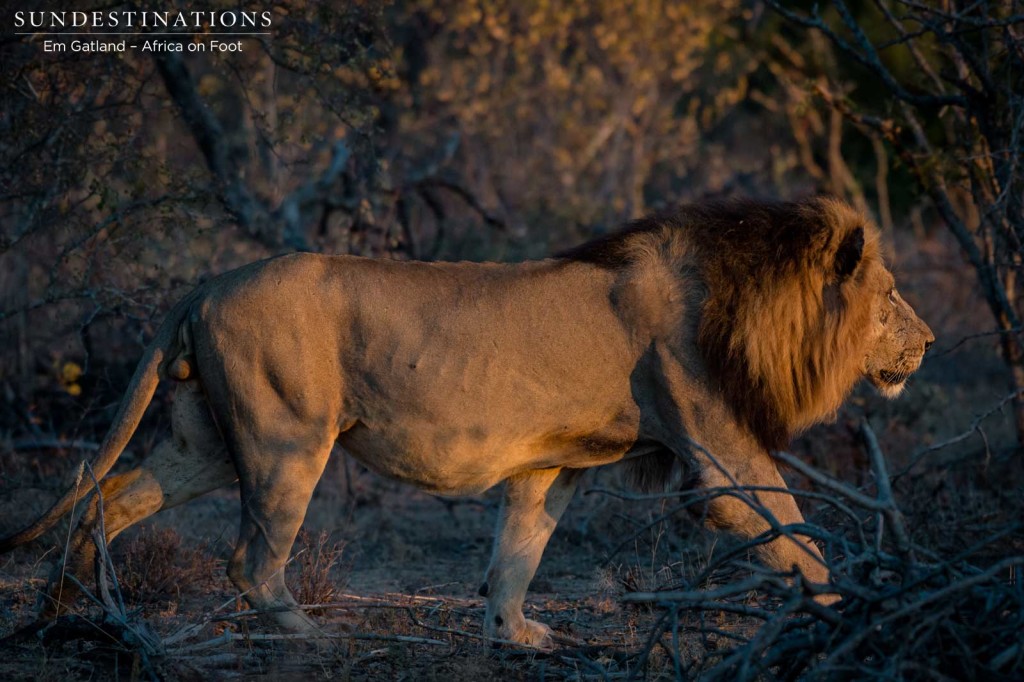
800	307
900	341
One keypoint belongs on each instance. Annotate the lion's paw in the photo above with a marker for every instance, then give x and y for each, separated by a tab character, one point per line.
536	634
522	631
828	598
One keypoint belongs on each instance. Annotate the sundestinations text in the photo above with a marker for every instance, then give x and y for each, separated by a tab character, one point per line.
142	19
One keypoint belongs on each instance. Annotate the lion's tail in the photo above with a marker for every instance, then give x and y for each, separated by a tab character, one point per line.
129	413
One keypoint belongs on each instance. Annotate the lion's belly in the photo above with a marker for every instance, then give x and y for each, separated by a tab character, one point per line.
439	460
448	460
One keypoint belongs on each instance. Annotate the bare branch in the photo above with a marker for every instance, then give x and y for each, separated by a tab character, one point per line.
284	225
864	54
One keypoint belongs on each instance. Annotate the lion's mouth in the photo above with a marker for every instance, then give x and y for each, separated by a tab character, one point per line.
892	378
891	382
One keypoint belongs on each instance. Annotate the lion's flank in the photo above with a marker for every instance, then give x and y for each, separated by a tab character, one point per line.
783	323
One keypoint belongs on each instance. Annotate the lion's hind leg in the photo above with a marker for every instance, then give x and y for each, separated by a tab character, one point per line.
532	505
191	463
276	489
279	457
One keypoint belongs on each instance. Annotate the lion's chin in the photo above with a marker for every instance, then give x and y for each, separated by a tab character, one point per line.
889	389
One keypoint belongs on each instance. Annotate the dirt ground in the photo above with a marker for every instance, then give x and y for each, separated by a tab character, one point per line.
410	565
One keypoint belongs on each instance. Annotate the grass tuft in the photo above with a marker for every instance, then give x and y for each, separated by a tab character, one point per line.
317	559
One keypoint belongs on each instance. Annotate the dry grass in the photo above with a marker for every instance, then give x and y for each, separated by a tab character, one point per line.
153	567
316	558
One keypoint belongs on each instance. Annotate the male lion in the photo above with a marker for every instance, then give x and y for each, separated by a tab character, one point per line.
707	335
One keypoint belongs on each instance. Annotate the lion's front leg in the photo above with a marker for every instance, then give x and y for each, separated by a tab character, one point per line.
736	515
532	505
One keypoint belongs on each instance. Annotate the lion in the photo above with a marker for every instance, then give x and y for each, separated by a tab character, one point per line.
703	337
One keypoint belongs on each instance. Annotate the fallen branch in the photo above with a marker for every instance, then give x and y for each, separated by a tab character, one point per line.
228	637
53	444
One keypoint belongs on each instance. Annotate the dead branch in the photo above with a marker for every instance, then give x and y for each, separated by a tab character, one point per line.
891	512
799	637
228	637
974	428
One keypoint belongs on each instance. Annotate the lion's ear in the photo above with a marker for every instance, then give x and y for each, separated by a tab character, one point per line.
849	254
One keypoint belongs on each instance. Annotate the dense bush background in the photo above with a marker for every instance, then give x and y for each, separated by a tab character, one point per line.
504	130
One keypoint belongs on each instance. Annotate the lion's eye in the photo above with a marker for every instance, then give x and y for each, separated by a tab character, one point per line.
892	296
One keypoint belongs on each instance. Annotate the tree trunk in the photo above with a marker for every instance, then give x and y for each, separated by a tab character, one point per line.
1013	354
